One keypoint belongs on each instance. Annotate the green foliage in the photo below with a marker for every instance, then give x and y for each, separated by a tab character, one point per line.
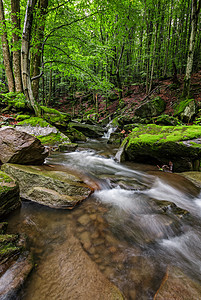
198	118
17	100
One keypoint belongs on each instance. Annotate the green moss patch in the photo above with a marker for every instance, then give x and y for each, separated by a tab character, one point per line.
160	134
34	121
53	139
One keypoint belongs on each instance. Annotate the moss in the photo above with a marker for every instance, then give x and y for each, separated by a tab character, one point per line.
160	134
52	139
53	116
5	180
22	117
17	100
34	121
8	238
181	106
8	250
159	104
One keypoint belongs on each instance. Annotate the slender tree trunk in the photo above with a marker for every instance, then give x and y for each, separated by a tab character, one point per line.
50	87
153	60
25	56
6	52
196	4
43	4
15	12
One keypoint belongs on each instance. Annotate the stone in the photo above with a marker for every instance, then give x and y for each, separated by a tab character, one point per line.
151	108
20	147
71	275
176	285
186	110
9	194
92	131
44	185
12	280
156	144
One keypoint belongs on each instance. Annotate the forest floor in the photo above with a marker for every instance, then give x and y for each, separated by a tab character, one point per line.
133	96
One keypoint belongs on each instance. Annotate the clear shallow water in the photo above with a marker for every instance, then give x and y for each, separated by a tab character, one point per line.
130	227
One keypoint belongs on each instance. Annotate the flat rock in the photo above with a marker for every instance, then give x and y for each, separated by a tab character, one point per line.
20	147
178	286
70	275
44	185
9	194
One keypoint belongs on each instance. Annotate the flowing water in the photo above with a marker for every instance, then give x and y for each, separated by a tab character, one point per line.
138	222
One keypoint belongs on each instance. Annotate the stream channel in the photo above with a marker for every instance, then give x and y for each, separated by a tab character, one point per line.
139	222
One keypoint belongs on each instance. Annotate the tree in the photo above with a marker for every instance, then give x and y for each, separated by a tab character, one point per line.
196	5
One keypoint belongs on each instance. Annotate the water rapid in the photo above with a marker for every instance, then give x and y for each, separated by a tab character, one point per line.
137	223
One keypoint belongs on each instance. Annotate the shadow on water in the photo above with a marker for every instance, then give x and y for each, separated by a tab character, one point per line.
137	223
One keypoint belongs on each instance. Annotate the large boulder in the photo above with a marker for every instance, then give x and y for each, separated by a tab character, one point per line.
20	147
9	195
48	135
160	144
55	117
151	108
92	131
44	185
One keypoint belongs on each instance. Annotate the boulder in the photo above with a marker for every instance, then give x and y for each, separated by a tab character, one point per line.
45	132
186	110
55	117
9	195
155	144
20	147
92	131
176	285
151	108
44	185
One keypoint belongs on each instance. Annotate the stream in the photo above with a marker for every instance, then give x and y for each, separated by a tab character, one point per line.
136	224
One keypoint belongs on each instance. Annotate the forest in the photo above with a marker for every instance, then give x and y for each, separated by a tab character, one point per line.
54	49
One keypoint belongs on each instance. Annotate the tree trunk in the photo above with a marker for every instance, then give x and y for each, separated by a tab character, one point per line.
6	52
25	56
15	12
196	4
43	4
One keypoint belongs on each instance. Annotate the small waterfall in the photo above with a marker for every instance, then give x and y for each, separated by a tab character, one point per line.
110	129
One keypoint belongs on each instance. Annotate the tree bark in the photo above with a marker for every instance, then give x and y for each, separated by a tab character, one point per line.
196	4
6	51
25	56
43	4
15	12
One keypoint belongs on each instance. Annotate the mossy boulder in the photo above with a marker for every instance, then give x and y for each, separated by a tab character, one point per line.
75	135
186	110
45	132
156	144
55	117
151	108
9	195
92	131
44	185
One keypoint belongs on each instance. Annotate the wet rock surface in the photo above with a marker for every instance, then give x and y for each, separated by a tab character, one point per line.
184	287
20	147
43	185
9	194
71	275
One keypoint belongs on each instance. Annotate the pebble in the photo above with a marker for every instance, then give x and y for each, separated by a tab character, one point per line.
84	220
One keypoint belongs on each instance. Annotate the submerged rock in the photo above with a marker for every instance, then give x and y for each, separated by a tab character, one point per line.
176	285
9	194
20	147
74	276
155	144
52	188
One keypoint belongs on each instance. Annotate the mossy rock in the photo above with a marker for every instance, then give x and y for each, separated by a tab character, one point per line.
75	135
186	110
55	117
151	108
16	100
156	144
22	117
9	194
45	132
